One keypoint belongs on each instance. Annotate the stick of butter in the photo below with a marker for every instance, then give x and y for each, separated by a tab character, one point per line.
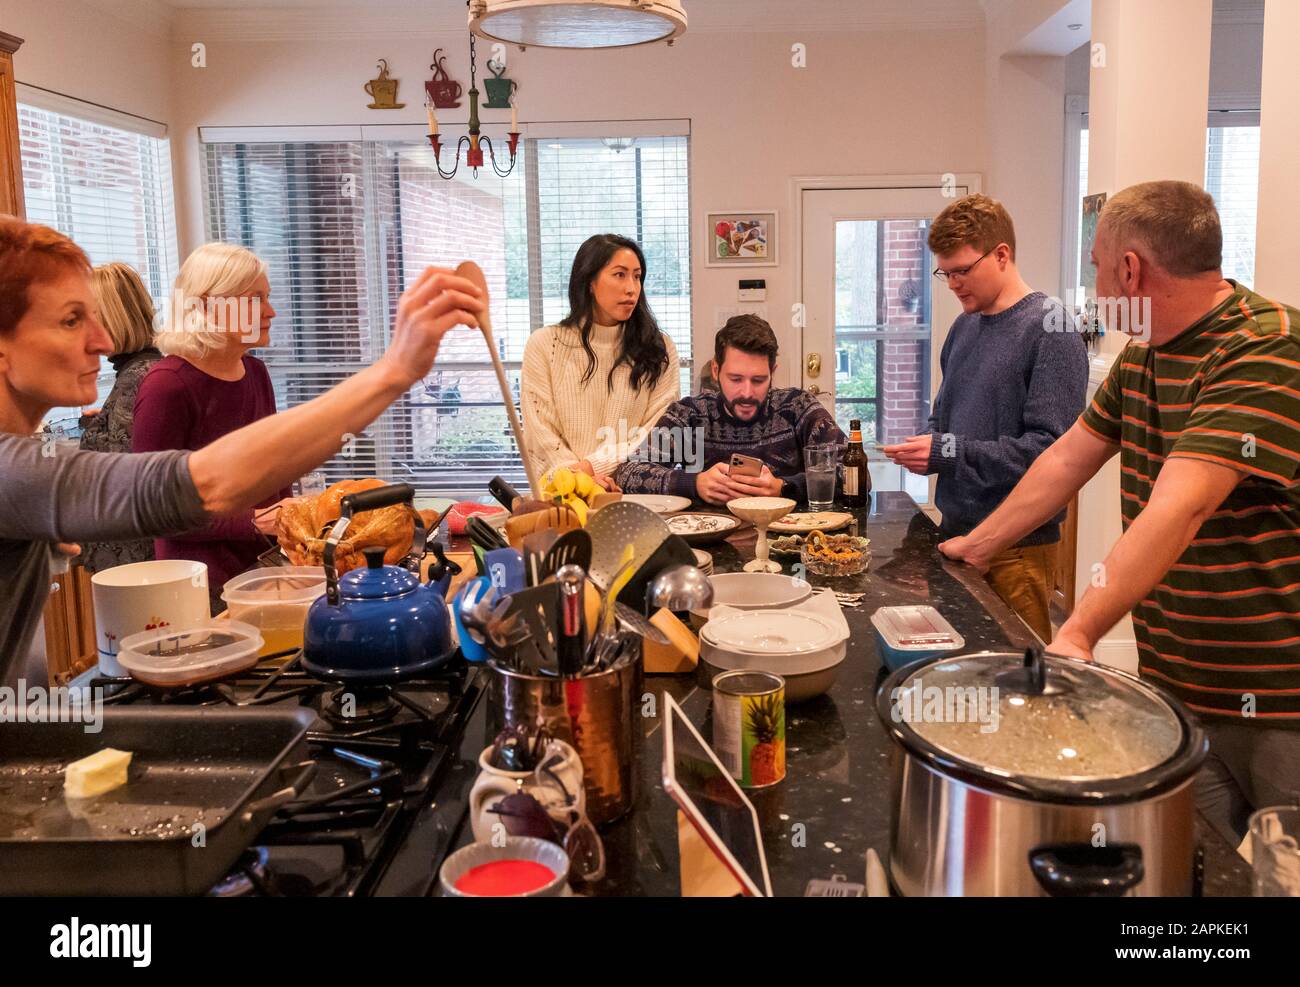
94	775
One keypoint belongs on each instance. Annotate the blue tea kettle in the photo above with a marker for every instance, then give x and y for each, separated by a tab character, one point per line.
379	624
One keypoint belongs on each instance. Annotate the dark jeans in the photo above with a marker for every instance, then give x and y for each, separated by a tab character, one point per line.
1249	767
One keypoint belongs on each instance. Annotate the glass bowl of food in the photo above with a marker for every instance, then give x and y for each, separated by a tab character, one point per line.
835	555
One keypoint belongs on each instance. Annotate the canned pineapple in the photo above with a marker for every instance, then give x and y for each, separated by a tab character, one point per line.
749	726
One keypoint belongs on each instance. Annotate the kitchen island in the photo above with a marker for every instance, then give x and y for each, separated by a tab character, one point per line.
834	802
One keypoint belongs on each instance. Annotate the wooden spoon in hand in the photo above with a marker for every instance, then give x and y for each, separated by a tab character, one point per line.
472	272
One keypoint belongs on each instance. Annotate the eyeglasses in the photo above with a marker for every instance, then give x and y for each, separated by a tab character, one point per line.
961	272
524	815
517	748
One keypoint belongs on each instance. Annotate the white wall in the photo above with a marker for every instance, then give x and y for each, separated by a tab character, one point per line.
1279	160
865	104
115	55
1026	159
1236	60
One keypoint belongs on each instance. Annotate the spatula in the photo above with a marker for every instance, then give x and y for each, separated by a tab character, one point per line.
571	548
536	547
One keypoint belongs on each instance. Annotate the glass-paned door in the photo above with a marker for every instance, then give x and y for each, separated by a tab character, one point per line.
869	346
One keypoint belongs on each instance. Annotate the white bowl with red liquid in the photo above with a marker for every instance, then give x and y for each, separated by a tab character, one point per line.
521	867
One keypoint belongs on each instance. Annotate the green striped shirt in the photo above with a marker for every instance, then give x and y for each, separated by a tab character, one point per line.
1222	629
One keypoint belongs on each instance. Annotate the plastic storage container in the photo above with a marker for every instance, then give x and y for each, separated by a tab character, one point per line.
173	658
275	601
912	633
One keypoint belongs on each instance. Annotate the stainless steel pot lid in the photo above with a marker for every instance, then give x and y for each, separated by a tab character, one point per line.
1061	721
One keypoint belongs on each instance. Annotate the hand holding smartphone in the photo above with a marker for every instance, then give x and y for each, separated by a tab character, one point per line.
745	465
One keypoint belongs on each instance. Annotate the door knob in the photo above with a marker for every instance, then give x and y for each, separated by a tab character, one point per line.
814	389
813	365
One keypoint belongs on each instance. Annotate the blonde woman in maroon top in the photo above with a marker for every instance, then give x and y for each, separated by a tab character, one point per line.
207	385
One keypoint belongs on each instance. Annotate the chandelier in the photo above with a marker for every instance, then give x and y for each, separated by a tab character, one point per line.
577	23
475	139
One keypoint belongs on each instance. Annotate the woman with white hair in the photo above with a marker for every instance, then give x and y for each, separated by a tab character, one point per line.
207	385
126	311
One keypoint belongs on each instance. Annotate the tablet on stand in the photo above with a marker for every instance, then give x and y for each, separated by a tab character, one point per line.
714	812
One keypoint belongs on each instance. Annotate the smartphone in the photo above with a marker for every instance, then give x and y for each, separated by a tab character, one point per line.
745	465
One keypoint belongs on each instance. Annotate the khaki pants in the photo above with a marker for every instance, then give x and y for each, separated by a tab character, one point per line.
1023	577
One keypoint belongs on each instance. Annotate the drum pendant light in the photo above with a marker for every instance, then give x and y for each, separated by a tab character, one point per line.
577	23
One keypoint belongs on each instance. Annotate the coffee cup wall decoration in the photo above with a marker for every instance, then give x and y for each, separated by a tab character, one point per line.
383	90
444	91
500	90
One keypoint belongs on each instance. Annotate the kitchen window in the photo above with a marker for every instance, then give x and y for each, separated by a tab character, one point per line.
344	224
104	179
1231	178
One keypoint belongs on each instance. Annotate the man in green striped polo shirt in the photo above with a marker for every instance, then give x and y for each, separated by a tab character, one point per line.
1204	409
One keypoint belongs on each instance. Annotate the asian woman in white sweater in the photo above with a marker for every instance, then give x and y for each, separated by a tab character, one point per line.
597	381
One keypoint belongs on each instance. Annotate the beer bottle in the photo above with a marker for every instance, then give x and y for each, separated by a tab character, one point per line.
856	482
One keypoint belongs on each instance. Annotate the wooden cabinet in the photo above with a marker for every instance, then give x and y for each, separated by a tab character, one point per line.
70	647
11	161
1063	588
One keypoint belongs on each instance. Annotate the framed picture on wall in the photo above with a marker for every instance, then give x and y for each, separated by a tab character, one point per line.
740	238
1091	210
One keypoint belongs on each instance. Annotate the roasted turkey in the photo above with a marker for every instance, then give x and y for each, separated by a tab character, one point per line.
303	525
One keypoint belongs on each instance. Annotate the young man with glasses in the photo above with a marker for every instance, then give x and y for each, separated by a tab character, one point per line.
1013	383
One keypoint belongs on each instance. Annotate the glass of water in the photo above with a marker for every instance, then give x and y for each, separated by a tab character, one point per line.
820	465
1275	851
311	484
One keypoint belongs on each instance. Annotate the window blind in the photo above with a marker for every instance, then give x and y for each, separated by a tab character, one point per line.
1232	178
345	225
107	188
641	192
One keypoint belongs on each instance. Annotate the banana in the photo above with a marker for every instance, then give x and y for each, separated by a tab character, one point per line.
564	481
579	507
570	488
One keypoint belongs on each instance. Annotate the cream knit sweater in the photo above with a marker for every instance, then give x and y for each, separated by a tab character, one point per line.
567	420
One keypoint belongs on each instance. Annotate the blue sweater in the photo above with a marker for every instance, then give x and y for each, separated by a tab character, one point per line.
1011	387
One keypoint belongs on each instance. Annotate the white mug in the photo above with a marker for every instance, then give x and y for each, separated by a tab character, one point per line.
143	595
494	784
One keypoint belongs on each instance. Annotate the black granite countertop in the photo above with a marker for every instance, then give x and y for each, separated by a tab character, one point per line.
833	804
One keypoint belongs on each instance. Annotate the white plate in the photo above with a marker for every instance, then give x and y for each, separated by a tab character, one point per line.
772	632
812	521
692	525
660	503
756	591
